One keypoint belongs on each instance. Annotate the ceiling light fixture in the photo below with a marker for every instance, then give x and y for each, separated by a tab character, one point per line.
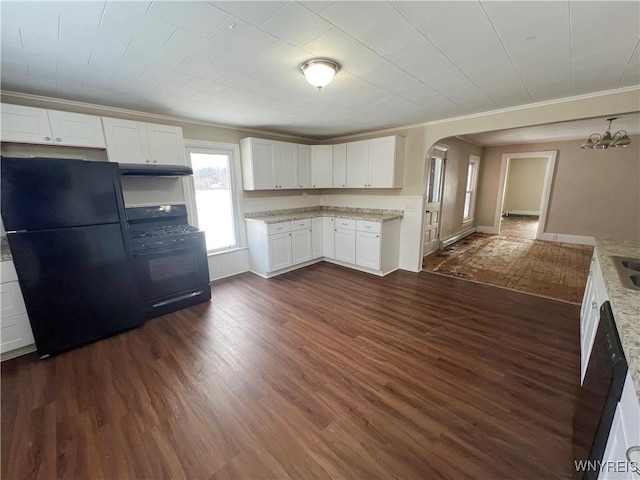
618	139
319	71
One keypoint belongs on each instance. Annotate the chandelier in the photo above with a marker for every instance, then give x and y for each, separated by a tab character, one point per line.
606	140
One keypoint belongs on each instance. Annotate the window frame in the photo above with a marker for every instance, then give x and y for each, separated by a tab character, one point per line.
474	161
235	172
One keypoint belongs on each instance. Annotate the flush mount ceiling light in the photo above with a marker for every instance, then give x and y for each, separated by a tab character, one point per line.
618	139
319	71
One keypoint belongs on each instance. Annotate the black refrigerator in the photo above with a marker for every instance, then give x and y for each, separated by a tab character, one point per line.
66	228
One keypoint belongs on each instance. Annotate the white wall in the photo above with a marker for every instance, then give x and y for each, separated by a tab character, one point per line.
523	190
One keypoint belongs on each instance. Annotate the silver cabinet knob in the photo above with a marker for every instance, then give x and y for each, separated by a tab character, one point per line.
58	139
594	305
47	139
147	161
155	161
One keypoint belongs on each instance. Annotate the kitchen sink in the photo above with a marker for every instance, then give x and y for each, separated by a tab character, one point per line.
628	271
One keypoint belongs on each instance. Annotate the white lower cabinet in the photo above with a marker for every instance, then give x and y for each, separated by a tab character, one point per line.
595	295
370	246
328	245
280	254
316	237
15	329
344	241
301	246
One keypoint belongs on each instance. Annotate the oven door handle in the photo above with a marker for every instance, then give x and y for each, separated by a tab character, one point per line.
146	253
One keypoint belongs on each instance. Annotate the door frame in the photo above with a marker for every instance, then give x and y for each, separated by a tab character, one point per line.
550	155
442	149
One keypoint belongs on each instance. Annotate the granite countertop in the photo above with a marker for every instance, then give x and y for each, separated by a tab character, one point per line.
625	302
368	214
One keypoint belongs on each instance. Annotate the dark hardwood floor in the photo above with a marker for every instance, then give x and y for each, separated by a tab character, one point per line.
320	373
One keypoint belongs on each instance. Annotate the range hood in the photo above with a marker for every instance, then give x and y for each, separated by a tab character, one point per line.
143	170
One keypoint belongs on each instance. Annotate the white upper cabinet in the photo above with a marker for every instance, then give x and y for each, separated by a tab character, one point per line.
321	166
376	163
269	164
50	127
146	143
304	166
339	162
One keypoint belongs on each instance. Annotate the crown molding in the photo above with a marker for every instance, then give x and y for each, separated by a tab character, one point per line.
152	116
490	113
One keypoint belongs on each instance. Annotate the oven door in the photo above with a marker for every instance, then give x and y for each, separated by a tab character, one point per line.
173	270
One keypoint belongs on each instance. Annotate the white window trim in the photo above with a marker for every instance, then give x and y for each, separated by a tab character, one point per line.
236	179
473	159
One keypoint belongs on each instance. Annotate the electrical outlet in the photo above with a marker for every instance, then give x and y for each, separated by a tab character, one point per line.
409	208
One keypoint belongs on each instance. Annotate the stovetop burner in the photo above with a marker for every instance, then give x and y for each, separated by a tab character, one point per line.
163	231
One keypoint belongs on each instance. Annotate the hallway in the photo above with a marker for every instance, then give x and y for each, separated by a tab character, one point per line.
519	226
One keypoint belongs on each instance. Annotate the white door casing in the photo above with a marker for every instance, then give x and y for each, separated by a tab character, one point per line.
432	203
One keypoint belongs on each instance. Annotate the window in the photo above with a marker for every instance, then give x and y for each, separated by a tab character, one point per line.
215	196
470	189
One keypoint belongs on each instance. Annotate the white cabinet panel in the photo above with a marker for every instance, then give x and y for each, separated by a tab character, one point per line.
287	165
279	227
328	228
321	166
15	332
76	130
166	144
25	124
300	246
11	301
345	245
317	237
279	251
382	162
358	164
264	165
51	127
339	162
145	143
127	141
303	224
368	250
304	166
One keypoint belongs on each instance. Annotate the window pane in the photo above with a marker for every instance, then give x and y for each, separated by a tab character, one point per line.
470	176
214	199
467	204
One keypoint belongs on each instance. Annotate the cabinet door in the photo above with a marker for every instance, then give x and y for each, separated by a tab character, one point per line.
76	130
15	332
382	160
127	141
166	145
287	165
339	165
590	328
368	250
345	245
12	301
304	166
328	237
263	159
279	251
316	237
358	164
300	246
25	124
321	166
616	449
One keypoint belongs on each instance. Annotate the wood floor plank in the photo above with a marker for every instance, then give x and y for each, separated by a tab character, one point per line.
324	372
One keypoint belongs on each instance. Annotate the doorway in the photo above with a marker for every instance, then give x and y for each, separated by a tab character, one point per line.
523	195
436	164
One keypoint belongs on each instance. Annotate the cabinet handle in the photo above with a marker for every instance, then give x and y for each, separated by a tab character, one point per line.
147	161
314	186
377	236
300	186
47	138
343	184
594	305
155	161
58	139
367	226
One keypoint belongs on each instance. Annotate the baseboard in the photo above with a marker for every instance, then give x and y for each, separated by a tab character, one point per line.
18	352
458	236
564	238
528	213
487	229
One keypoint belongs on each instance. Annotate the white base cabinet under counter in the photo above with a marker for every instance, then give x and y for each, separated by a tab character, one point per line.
277	248
15	329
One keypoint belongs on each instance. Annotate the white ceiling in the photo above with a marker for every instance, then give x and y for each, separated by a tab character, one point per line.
574	130
236	62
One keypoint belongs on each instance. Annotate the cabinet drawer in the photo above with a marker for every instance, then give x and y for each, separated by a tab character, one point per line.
301	224
367	226
345	223
273	228
15	332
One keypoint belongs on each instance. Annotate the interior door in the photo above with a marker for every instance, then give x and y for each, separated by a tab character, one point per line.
435	174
